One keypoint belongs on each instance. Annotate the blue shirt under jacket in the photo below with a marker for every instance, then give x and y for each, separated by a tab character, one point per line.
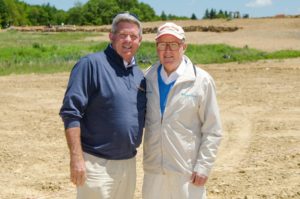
108	103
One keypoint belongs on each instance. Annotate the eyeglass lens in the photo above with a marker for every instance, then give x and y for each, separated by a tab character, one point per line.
172	46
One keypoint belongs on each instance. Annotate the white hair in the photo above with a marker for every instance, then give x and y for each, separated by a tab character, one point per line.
125	17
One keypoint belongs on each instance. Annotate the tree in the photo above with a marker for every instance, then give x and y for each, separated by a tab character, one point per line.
245	16
206	15
127	5
163	16
49	14
3	14
221	14
75	15
212	14
59	17
226	14
193	17
145	12
12	13
98	12
94	12
33	14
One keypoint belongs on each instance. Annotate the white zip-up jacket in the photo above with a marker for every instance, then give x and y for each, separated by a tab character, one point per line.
187	137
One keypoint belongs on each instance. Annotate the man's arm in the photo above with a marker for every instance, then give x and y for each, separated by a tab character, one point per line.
211	134
77	165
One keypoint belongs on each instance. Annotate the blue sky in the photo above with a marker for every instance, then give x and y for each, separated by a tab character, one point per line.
255	8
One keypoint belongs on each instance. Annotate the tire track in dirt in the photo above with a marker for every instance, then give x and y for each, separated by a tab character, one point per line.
236	139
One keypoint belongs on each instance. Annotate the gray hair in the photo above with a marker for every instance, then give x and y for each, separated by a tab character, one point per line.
125	17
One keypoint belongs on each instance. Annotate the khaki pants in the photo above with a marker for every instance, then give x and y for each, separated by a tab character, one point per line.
108	179
171	186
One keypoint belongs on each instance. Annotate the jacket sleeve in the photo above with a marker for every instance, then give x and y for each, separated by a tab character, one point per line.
211	130
77	94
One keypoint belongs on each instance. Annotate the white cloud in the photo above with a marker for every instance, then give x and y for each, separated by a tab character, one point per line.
259	3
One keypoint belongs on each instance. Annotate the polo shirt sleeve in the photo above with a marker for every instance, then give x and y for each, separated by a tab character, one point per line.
77	93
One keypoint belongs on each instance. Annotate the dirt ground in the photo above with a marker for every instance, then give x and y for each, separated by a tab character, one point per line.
259	157
268	34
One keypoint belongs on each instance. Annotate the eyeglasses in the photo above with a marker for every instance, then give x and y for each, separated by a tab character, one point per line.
172	46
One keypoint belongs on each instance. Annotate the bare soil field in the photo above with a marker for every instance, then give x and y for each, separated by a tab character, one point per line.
259	157
268	34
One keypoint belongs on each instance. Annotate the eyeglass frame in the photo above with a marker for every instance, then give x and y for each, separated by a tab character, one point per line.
168	45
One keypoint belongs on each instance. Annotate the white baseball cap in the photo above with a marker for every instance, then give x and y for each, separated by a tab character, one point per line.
170	28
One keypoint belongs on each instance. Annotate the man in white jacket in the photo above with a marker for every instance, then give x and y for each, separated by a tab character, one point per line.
183	126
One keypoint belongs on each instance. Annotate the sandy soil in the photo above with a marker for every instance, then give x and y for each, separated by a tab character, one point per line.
260	107
266	34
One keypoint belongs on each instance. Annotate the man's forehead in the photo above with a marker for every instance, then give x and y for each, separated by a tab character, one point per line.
127	31
168	38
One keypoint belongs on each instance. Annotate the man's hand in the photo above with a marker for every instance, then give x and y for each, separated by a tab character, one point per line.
77	171
77	164
198	179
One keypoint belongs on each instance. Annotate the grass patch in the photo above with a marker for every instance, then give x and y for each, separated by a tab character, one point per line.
221	53
57	52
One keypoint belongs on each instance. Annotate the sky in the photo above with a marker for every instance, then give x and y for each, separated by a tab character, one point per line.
255	8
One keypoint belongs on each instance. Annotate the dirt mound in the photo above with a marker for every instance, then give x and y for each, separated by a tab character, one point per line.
68	28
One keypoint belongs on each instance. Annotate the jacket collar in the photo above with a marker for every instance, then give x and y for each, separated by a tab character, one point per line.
190	71
115	57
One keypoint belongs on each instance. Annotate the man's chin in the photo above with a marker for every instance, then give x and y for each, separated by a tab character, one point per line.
168	62
127	56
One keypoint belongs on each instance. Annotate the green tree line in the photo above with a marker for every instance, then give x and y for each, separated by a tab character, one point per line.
94	12
214	14
165	17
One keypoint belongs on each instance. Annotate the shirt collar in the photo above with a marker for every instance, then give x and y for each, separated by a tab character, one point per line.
126	64
174	75
130	64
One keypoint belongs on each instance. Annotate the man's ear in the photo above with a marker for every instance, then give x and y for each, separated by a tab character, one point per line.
184	46
140	41
111	35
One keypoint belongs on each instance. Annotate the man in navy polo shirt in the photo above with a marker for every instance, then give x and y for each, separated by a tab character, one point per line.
103	113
